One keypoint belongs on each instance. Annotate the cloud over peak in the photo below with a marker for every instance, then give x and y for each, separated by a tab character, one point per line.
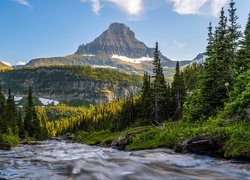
132	8
200	7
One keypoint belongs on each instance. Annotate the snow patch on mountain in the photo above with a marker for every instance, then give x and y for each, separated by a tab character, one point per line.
17	98
136	60
88	55
20	63
199	59
6	63
103	66
47	102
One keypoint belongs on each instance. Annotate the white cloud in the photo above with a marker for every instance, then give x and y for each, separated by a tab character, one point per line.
133	8
96	6
180	44
24	2
200	7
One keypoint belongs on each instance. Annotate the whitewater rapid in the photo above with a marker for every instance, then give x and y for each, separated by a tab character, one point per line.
57	160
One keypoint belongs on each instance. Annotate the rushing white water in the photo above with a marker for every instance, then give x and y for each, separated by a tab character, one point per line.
60	160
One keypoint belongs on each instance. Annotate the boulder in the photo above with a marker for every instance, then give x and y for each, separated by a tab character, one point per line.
210	145
202	145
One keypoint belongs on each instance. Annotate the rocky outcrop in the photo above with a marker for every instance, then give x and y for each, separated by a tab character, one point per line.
117	39
211	145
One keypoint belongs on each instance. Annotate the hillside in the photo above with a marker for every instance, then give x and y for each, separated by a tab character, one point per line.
71	84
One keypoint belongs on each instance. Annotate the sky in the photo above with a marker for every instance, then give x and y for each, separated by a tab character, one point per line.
46	28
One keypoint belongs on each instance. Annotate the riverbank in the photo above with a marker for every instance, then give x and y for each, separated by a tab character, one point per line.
215	137
52	159
8	140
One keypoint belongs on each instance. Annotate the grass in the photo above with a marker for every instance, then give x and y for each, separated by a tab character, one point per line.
8	140
234	137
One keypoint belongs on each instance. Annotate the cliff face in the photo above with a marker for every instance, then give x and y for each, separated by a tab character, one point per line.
118	39
91	86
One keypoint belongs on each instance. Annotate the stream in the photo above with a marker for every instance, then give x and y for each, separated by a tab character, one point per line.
58	160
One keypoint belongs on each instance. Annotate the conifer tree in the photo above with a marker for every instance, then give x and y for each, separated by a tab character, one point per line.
234	35
146	96
32	124
20	125
11	114
159	87
2	111
178	92
243	60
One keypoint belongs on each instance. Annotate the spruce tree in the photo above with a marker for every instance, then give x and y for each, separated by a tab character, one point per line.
159	88
146	96
234	35
2	112
11	114
32	124
243	60
223	49
178	93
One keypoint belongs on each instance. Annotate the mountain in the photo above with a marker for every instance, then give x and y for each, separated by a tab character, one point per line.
199	59
116	48
119	40
73	85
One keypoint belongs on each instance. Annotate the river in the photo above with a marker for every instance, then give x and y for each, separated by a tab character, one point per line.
57	160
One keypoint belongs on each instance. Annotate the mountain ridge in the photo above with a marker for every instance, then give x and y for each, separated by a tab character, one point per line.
117	47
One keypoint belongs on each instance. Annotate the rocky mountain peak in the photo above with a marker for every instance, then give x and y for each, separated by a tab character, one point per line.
118	39
120	29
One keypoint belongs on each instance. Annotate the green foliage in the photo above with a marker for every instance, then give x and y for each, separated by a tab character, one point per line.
159	89
32	124
54	79
178	92
238	145
95	138
190	75
8	140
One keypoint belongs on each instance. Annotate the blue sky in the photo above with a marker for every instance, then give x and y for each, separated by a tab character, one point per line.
45	28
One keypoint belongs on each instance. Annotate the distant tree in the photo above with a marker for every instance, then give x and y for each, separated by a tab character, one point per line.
146	96
11	114
32	124
20	124
178	92
3	122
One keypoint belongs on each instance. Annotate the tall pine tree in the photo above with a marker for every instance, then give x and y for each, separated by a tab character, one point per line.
178	93
159	88
234	35
2	112
32	124
243	60
11	114
146	96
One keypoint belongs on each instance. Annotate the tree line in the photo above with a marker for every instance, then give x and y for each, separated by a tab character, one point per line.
227	58
20	122
196	93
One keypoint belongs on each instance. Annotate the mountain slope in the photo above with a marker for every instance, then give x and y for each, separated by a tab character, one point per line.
71	83
116	48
